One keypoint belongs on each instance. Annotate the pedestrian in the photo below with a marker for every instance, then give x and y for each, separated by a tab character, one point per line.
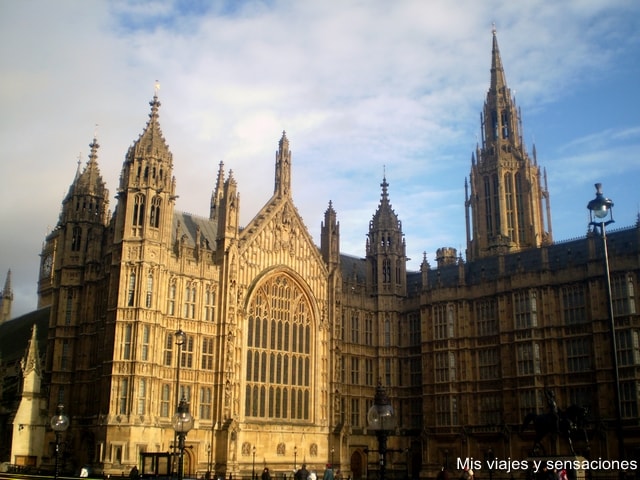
303	473
265	474
134	474
465	474
328	473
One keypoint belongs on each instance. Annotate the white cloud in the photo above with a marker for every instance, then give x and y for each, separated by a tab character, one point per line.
369	84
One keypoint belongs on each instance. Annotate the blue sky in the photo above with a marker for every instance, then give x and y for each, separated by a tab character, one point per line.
360	88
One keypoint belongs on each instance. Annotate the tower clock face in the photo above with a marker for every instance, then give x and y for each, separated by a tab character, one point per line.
47	263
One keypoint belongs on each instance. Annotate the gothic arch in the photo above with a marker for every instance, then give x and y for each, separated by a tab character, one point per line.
279	344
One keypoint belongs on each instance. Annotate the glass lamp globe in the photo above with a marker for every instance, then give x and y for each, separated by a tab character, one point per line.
182	420
59	422
381	417
600	206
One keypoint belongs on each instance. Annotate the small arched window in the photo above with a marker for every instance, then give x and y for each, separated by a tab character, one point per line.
154	215
76	239
138	210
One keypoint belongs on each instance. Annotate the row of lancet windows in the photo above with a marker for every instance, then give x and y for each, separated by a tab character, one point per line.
501	128
147	171
142	392
388	271
513	206
189	297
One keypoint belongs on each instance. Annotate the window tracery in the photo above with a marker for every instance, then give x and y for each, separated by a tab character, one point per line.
278	378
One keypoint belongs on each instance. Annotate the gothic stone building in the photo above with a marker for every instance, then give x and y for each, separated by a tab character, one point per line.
286	341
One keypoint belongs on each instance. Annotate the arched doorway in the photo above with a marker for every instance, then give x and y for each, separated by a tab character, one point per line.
357	465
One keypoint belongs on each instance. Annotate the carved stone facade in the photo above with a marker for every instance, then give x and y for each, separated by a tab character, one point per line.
286	341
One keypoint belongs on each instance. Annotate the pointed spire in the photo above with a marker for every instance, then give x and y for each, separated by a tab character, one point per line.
88	185
330	209
151	140
6	299
91	180
330	236
384	196
31	360
498	80
385	211
78	169
283	167
6	291
217	193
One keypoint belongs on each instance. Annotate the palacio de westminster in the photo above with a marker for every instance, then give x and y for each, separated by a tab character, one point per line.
285	343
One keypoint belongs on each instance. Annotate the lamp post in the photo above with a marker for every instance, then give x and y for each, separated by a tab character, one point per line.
332	452
180	339
601	216
59	424
253	468
182	423
208	461
382	420
295	458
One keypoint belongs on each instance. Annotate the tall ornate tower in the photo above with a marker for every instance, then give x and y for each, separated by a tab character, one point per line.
146	196
504	210
386	249
71	273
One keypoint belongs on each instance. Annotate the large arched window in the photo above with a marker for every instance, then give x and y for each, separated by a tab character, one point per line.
279	351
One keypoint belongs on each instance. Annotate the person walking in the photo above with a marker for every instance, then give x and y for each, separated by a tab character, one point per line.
328	473
303	473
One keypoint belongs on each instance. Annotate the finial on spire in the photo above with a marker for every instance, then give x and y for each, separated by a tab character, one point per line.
156	87
493	28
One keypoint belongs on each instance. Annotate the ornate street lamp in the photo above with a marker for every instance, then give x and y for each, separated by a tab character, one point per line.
295	458
59	424
601	216
382	420
182	423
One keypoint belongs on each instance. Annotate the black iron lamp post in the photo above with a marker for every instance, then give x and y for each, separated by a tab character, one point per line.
382	420
59	424
182	423
181	337
601	216
295	458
